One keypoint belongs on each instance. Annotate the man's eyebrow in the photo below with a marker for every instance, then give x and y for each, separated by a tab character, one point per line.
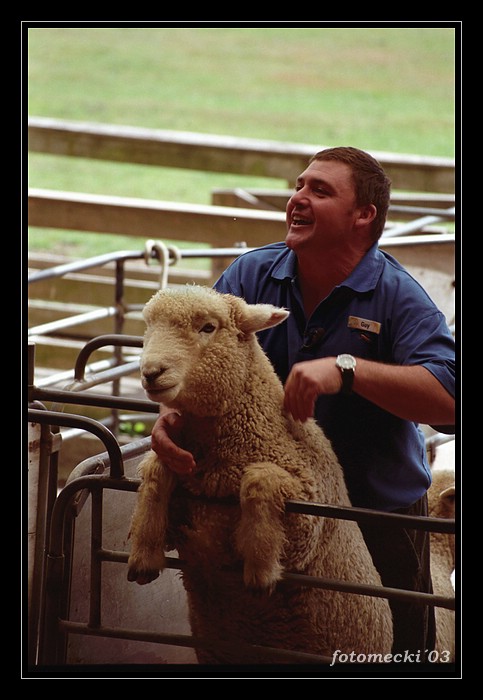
314	181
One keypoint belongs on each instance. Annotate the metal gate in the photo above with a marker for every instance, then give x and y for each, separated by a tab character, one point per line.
71	601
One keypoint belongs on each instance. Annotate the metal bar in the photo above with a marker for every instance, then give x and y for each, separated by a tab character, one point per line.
124	255
89	424
65	597
192	642
318	582
118	328
96	559
189	253
252	200
375	591
365	515
114	339
54	577
86	398
40	476
84	264
77	319
70	490
388	242
104	371
241	249
426	211
277	198
109	375
415	522
418	224
65	376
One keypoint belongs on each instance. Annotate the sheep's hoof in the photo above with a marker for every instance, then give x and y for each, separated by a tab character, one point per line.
143	566
142	577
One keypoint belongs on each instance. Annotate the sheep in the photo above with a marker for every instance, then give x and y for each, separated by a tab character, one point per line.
201	356
441	504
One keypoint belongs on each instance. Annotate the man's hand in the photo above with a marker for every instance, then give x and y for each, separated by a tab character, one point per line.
409	392
165	431
306	381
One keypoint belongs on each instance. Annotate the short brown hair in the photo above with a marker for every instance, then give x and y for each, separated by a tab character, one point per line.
371	184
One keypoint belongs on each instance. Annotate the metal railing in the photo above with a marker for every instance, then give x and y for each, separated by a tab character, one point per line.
393	238
109	474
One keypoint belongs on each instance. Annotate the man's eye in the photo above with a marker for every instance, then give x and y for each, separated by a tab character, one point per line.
208	328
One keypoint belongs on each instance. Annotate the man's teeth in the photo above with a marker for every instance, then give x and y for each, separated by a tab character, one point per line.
300	222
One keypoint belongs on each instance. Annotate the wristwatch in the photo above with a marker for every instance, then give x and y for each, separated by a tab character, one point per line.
347	365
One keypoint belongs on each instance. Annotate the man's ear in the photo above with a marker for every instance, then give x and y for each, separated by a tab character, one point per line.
367	214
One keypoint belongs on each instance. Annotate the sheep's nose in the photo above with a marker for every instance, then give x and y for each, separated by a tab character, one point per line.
151	375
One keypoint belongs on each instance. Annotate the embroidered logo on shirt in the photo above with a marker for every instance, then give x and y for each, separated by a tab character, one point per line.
363	324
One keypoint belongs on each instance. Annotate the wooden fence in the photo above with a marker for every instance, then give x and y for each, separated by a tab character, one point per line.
219	224
207	152
252	217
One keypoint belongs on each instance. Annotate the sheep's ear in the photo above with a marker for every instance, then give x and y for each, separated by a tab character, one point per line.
257	317
448	495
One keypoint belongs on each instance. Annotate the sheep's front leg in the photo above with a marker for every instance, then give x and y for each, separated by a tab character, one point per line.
260	536
149	522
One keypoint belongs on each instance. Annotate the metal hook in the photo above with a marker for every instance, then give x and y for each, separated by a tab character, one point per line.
167	255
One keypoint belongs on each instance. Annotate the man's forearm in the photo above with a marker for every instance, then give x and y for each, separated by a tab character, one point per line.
409	392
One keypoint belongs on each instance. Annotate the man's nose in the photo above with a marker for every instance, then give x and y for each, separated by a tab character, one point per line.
298	196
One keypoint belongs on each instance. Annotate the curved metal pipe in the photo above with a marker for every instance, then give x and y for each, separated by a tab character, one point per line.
116	339
98	429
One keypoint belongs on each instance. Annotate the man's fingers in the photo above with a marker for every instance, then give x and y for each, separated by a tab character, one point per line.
165	431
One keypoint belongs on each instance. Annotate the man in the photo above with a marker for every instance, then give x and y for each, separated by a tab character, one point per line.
364	350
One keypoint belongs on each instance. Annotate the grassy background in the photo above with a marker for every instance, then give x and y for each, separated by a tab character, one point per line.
379	88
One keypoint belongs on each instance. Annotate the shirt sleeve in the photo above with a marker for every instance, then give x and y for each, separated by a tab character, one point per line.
429	343
444	369
222	285
240	279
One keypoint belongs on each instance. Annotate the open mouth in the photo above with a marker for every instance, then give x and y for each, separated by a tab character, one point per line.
299	221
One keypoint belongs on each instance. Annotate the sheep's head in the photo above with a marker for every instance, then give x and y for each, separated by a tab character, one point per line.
197	347
441	504
442	494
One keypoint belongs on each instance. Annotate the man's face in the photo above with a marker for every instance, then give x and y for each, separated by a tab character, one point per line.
322	211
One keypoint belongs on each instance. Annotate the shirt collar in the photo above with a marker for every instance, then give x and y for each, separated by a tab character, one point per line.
284	265
366	273
363	277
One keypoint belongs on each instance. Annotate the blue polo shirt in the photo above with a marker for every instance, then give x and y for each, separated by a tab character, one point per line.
379	313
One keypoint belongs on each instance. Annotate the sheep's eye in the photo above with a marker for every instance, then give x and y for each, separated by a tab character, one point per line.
208	328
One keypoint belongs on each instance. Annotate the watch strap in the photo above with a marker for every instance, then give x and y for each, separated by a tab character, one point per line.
346	364
347	381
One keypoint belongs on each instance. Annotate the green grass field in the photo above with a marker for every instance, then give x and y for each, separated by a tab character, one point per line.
379	88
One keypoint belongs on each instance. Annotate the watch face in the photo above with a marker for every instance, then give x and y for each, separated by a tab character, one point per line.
346	362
